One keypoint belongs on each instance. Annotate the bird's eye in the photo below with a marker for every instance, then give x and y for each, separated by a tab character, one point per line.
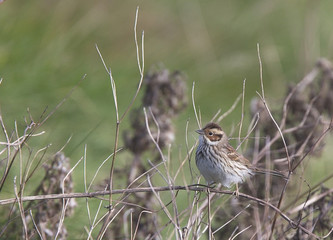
210	134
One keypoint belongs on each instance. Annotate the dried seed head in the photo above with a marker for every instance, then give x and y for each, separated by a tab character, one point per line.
164	97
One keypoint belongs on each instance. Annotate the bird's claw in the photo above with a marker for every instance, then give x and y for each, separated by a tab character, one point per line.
236	192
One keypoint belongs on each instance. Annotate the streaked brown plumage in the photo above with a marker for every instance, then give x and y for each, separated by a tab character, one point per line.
219	162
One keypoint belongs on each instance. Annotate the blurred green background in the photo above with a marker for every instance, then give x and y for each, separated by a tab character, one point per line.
46	47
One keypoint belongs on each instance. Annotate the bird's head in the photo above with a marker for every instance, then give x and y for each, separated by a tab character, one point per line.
213	134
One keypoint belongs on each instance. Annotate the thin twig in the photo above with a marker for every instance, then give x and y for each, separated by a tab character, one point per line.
155	190
242	114
313	188
311	201
216	115
141	65
233	106
262	96
240	232
21	208
119	120
210	235
35	225
99	168
328	129
188	152
101	234
260	72
248	134
94	224
194	108
7	143
163	206
233	218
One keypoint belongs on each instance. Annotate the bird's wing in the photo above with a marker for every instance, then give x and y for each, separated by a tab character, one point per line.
235	156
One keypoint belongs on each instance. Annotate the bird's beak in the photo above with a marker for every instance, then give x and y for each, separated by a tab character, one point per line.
199	131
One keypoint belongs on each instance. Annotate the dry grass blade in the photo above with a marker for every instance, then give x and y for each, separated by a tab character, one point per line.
242	114
119	120
240	232
113	217
195	109
7	143
232	219
233	106
35	225
163	206
141	63
152	137
19	201
310	201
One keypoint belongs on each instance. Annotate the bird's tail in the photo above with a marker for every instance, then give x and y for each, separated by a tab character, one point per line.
271	172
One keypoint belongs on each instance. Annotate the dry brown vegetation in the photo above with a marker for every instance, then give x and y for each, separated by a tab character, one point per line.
160	201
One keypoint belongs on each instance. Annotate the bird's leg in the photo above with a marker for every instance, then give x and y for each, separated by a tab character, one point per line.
208	191
237	191
211	185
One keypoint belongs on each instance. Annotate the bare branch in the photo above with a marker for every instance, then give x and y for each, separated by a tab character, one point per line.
155	190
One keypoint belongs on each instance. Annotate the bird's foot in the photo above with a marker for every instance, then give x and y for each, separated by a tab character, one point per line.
236	192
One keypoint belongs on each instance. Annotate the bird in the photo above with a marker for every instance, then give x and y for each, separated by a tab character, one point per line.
219	162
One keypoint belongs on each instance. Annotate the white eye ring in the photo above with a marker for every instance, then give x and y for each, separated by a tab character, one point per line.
210	134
